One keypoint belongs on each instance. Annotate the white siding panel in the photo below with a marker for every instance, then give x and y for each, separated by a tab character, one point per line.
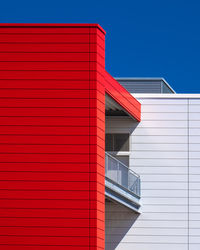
164	116
164	201
165	208
194	155
194	124
194	139
151	231
194	224
194	116
160	170
163	101
163	124
161	131
164	178
195	185
164	185
194	162
160	139
194	193
163	216
194	147
194	247
151	239
143	246
194	209
195	216
158	162
195	200
162	154
159	147
194	178
164	193
195	108
164	108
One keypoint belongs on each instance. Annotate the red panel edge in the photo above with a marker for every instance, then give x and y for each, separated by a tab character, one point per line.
56	25
124	96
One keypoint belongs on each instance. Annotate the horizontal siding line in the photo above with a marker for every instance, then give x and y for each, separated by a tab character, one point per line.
156	189
165	166
176	181
25	116
50	107
45	89
147	220
53	245
166	197
148	242
158	204
129	127
22	208
27	43
164	104
49	236
161	143
178	120
70	70
165	174
99	146
54	190
134	136
48	98
155	227
50	126
135	234
53	62
165	112
163	158
53	218
25	199
53	34
138	150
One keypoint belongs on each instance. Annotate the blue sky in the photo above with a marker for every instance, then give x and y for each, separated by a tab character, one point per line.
145	38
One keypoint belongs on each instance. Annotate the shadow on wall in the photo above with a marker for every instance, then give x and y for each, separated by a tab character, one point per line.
118	222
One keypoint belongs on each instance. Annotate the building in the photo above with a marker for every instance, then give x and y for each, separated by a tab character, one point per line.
89	161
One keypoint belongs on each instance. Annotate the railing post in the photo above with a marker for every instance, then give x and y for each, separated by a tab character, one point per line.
118	172
128	180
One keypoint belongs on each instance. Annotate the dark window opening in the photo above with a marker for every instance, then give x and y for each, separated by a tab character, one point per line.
117	142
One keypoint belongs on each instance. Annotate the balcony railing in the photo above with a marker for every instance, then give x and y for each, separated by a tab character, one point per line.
120	174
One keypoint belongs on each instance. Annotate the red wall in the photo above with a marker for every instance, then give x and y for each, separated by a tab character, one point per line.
52	130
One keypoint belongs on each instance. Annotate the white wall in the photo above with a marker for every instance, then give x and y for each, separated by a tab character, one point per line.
165	151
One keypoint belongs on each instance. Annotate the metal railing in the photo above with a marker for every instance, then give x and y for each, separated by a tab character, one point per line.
119	173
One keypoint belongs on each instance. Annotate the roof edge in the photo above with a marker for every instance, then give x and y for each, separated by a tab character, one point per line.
50	25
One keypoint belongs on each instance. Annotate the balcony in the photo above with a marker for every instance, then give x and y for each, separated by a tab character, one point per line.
122	184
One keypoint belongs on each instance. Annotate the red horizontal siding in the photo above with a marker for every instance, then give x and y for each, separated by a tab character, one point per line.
52	135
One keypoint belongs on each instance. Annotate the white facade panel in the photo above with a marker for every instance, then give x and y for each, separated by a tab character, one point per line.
164	108
143	246
165	151
164	116
164	177
163	131
160	170
160	139
160	147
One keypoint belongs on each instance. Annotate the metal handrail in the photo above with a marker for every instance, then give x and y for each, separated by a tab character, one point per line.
119	173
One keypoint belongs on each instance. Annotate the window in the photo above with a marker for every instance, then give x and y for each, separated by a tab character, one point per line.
117	142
